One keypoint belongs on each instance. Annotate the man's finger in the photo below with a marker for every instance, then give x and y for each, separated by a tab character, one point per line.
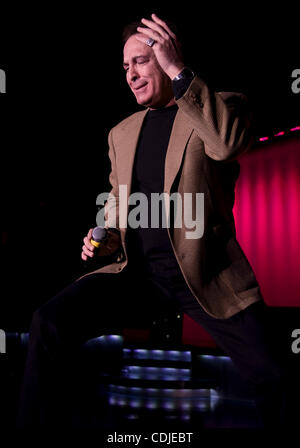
142	39
154	26
153	34
163	25
88	252
88	244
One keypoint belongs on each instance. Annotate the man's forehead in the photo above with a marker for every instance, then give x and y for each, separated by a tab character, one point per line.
134	48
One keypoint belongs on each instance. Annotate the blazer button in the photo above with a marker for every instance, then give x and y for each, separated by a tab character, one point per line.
199	102
196	99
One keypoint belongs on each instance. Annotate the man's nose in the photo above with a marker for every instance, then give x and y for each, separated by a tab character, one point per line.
133	74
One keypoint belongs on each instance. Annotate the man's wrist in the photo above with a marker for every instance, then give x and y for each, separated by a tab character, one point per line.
174	71
186	73
182	81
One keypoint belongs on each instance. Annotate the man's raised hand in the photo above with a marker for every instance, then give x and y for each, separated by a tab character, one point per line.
166	47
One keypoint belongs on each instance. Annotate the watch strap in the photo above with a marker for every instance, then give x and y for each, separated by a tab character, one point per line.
186	73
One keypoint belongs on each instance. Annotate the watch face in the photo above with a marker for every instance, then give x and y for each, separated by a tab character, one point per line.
186	73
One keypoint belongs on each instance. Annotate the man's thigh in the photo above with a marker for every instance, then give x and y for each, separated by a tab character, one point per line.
98	303
247	337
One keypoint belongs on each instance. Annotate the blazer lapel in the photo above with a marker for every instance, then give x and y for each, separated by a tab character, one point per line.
129	144
180	134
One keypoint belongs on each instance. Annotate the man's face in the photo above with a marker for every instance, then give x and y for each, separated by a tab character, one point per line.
150	84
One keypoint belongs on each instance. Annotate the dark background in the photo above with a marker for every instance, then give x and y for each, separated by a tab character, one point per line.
66	89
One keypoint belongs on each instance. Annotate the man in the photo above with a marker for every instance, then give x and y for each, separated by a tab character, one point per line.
185	141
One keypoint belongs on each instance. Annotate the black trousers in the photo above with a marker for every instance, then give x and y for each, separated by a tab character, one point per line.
98	303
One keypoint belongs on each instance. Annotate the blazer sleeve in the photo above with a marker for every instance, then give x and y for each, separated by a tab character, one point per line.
220	119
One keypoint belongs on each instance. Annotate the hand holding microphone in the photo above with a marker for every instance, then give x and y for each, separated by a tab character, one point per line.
100	241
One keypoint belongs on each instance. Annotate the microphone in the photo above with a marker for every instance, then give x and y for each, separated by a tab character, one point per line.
98	239
102	236
99	236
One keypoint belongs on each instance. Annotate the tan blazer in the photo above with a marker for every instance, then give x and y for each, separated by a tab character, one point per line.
210	130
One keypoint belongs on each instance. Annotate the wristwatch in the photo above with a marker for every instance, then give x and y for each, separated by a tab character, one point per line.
186	73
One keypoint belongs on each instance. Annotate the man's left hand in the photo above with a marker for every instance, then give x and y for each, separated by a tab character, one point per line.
166	47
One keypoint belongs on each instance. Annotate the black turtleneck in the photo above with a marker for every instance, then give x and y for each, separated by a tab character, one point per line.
153	244
148	177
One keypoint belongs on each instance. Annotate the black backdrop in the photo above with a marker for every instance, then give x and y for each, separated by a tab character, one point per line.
66	89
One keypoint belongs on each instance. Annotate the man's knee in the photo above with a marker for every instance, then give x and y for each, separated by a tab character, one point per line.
43	325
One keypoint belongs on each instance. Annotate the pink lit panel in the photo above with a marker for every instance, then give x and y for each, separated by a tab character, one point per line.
267	214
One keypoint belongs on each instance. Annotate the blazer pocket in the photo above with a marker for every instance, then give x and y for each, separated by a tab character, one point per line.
195	144
239	275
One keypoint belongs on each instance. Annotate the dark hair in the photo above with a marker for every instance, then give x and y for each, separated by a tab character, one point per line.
131	29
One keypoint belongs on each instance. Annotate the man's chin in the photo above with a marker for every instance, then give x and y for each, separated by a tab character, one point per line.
146	102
